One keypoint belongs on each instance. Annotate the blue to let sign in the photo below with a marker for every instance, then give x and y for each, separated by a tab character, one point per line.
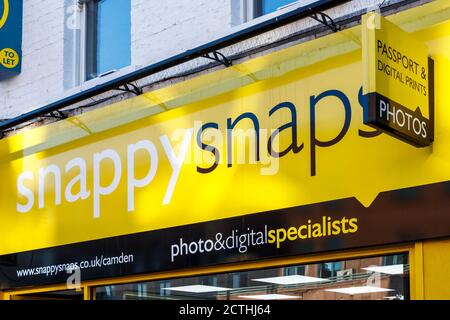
10	37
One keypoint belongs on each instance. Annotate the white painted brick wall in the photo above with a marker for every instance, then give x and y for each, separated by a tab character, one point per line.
160	29
163	28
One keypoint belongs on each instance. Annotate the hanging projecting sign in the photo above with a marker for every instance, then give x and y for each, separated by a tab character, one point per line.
398	78
10	37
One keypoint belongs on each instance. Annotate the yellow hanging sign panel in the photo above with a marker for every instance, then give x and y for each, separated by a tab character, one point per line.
397	78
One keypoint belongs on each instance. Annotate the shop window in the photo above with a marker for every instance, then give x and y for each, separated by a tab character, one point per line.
382	278
107	36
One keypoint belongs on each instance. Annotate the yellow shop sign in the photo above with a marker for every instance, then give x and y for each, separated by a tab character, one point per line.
283	130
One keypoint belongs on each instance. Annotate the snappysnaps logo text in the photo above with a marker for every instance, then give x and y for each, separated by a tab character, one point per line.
206	144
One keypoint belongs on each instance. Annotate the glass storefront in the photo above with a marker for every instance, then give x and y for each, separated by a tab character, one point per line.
371	278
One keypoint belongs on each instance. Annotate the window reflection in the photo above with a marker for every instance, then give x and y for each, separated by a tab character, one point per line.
329	269
382	277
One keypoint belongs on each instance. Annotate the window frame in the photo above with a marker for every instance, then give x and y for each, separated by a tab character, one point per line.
90	40
257	8
88	48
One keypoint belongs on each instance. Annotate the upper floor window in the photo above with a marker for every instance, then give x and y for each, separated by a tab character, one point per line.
108	36
263	7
